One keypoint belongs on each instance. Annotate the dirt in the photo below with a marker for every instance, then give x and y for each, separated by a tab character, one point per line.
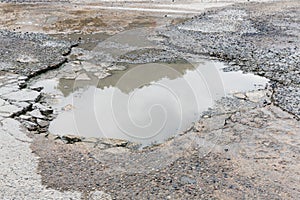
72	18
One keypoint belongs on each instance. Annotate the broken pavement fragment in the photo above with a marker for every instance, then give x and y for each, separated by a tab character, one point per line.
23	95
43	109
71	139
9	110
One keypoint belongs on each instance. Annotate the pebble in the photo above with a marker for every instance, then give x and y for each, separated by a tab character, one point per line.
45	110
71	139
30	125
42	123
240	95
25	117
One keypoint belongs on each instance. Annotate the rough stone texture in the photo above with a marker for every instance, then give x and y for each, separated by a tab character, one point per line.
37	114
30	54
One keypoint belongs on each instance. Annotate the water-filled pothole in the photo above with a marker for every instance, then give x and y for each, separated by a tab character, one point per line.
146	103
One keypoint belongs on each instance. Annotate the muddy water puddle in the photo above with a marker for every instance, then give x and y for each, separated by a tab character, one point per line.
146	103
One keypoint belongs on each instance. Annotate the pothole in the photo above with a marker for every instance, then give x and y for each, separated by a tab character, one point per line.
146	103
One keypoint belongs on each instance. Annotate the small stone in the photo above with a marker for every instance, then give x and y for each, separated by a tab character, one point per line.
43	130
53	137
256	96
71	139
22	84
30	125
25	117
22	78
240	95
45	110
42	123
37	114
114	142
133	145
36	88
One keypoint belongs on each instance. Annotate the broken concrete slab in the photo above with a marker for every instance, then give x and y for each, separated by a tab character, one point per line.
42	123
9	110
45	110
37	114
22	95
8	89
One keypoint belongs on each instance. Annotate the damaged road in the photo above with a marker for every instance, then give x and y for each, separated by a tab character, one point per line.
246	146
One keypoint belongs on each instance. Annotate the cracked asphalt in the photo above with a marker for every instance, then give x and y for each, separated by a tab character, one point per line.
245	147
